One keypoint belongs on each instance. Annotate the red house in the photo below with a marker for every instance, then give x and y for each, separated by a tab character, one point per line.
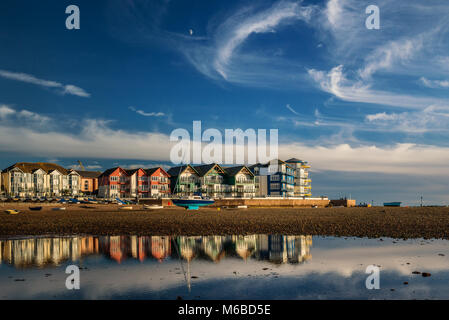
134	183
113	183
159	182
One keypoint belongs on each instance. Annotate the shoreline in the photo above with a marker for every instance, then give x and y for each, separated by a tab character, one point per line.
101	220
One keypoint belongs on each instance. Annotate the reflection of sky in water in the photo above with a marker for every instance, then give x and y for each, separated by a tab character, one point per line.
252	267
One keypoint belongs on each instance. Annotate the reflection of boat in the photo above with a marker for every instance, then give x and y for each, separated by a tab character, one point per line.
392	204
35	208
193	202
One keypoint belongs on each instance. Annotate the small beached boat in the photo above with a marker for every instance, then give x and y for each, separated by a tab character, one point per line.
59	209
193	203
35	208
12	211
152	207
392	204
126	208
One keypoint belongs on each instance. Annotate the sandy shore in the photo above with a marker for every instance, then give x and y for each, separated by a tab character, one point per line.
110	220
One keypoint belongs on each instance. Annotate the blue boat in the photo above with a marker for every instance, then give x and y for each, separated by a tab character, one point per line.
392	204
193	203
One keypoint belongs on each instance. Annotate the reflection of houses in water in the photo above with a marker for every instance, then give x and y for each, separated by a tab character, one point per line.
283	249
160	247
53	251
188	247
245	245
117	248
213	247
46	251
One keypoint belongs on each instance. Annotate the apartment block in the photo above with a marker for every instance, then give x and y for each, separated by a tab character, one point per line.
283	179
303	183
39	180
276	179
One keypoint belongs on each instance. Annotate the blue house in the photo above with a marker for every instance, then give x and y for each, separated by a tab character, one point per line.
276	179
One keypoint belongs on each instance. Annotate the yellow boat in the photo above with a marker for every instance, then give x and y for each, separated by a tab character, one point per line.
126	208
12	211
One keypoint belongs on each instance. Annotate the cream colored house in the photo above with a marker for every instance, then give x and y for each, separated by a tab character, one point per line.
40	180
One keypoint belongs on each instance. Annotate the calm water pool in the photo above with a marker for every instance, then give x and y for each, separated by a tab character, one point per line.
222	267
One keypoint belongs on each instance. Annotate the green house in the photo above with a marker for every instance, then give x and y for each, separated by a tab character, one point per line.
184	180
241	181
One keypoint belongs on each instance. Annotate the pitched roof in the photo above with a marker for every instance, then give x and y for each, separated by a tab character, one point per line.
153	170
130	172
204	169
108	172
89	174
232	171
176	171
29	167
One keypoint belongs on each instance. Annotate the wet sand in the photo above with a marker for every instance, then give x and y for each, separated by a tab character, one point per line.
110	220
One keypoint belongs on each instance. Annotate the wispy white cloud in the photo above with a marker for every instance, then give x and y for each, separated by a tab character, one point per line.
291	109
336	83
434	83
239	27
6	111
391	54
28	78
221	57
76	91
147	114
432	119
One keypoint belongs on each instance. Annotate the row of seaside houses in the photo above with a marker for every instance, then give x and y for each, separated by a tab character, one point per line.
40	179
277	179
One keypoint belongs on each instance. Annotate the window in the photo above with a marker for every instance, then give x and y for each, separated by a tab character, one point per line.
275	186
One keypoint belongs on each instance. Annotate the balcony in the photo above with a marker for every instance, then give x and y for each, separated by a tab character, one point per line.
244	181
187	180
210	180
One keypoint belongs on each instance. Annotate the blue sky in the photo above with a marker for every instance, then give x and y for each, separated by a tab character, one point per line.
367	108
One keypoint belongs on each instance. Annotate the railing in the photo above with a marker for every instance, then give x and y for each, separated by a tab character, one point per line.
245	181
188	180
213	180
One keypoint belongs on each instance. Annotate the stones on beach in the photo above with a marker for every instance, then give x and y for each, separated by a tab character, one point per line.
416	272
426	274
